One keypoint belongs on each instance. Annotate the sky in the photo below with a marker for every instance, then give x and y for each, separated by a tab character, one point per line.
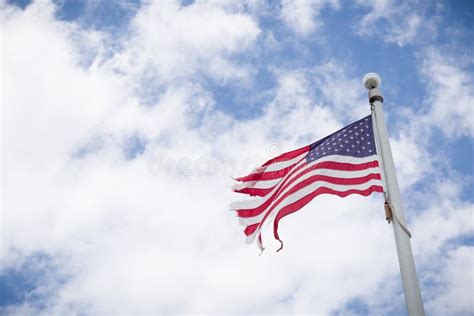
124	121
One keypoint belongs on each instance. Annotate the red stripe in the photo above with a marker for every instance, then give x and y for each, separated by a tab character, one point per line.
271	175
275	194
287	156
255	191
249	230
345	166
262	175
304	183
297	205
322	165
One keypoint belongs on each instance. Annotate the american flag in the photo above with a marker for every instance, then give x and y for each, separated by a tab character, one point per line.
342	163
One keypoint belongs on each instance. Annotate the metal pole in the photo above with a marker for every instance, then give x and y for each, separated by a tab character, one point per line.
411	287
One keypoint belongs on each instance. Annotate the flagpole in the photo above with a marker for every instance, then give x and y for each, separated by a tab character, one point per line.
411	287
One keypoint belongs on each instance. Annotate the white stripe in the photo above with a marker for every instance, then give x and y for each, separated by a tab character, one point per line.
251	238
255	202
267	184
301	194
323	172
302	162
335	158
262	184
279	165
246	221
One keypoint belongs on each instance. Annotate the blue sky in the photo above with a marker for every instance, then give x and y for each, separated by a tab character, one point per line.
116	163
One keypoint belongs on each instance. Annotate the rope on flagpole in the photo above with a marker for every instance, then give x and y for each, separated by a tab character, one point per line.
390	214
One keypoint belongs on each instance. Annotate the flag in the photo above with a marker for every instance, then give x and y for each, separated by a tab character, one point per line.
342	164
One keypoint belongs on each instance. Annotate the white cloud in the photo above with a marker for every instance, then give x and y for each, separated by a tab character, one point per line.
410	148
303	16
341	90
445	215
451	93
170	42
457	298
132	241
396	22
412	161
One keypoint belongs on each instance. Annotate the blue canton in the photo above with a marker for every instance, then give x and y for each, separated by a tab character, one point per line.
356	140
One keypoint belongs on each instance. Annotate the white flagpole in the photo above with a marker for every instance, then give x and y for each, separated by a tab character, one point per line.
411	287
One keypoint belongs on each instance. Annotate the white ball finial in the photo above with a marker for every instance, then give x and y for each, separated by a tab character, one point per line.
372	81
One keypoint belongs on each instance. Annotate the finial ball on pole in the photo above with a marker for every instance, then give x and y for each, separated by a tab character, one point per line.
372	81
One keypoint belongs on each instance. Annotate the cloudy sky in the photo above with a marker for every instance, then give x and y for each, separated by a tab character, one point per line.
123	122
